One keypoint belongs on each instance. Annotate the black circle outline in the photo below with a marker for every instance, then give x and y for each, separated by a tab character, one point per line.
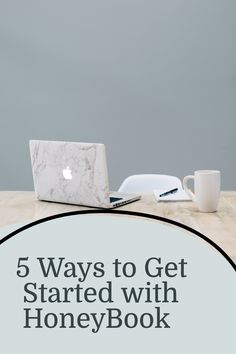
121	212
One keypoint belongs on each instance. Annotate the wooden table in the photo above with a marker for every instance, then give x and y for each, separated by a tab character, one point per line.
18	207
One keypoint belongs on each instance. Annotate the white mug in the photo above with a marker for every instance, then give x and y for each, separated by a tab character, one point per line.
206	189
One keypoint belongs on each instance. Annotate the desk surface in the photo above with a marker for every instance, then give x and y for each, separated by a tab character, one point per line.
17	207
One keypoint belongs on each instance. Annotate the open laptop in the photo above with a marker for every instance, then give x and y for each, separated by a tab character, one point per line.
73	173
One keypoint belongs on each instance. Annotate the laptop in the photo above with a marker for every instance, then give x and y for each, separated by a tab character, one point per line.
73	173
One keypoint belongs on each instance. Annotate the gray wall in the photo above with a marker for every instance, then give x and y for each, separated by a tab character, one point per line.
154	80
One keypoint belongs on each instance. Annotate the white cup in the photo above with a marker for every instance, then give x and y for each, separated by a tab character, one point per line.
206	189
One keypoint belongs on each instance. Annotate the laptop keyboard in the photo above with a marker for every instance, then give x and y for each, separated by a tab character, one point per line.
114	199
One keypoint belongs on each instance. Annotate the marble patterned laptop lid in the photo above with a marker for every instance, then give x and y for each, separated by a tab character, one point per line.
70	172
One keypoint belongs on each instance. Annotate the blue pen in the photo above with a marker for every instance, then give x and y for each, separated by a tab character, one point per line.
172	191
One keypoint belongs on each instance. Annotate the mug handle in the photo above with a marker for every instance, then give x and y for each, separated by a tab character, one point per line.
187	190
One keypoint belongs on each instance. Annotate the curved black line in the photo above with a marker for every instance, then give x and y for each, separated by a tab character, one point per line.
124	212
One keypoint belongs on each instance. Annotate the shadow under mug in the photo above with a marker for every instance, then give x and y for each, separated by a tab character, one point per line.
206	189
